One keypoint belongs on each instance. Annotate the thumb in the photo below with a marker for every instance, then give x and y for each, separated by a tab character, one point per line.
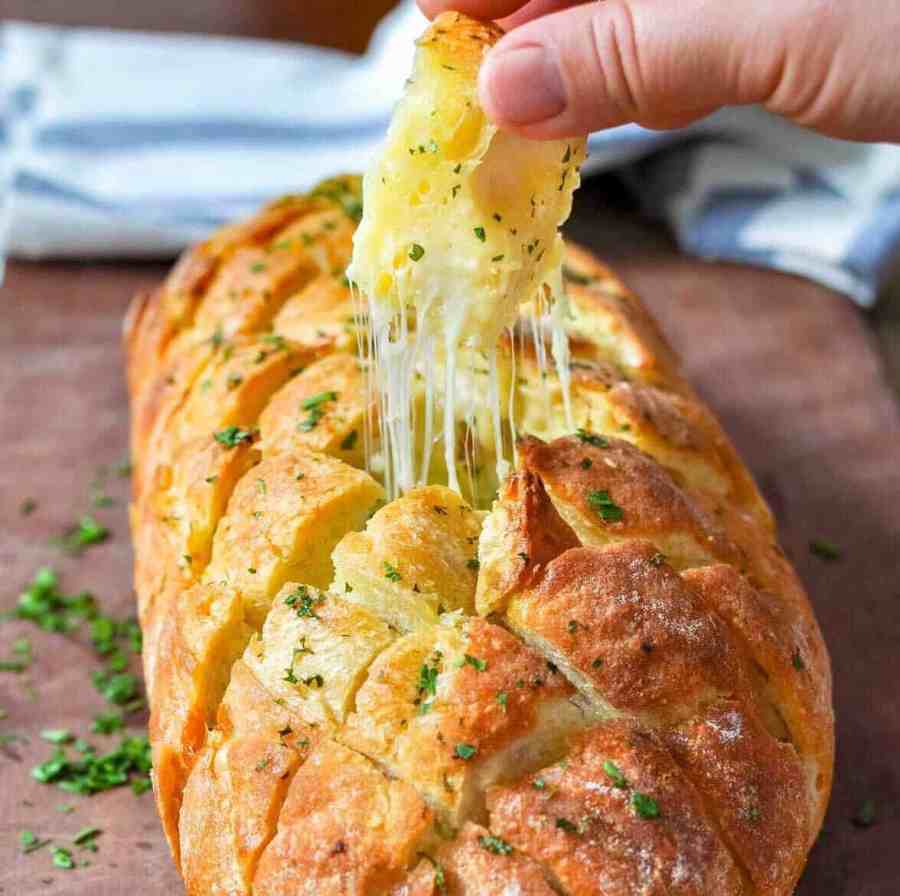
665	63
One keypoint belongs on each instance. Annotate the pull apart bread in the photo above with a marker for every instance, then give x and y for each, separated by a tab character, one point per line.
595	675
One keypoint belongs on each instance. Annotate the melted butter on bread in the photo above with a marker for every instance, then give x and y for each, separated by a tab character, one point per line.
460	228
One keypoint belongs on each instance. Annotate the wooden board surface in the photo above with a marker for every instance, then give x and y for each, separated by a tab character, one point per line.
791	369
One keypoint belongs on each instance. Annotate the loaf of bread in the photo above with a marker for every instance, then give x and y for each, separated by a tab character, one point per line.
607	680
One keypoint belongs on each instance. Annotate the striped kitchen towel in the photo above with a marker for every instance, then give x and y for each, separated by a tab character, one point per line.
117	144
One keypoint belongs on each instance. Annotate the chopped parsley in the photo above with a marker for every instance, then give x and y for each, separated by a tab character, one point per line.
479	233
539	784
27	507
86	838
428	679
475	662
644	806
86	532
865	815
824	550
604	506
349	440
313	405
303	602
232	436
391	573
565	825
472	563
129	763
614	773
797	661
57	736
465	751
416	251
30	842
62	858
107	723
590	438
572	626
497	845
502	699
120	688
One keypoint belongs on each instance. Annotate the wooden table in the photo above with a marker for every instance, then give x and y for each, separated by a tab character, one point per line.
793	370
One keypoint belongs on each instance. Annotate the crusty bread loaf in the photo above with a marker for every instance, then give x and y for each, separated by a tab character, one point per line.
609	682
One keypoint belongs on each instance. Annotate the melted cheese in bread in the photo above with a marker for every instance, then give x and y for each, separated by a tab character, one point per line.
460	228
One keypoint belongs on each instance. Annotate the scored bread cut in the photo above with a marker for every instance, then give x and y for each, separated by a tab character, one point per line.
596	675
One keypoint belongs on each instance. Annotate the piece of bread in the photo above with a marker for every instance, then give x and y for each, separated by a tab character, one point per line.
607	681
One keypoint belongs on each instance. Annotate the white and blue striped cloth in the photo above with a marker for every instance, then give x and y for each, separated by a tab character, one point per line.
128	145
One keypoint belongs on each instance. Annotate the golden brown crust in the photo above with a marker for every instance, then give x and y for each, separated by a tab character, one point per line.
329	715
237	787
625	624
756	788
476	863
608	491
345	830
617	817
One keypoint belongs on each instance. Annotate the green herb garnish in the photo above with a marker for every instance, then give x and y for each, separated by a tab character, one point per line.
62	858
107	723
497	845
476	663
865	815
645	806
465	751
129	763
232	436
30	842
86	532
824	550
428	676
303	602
614	773
416	251
592	439
602	504
316	412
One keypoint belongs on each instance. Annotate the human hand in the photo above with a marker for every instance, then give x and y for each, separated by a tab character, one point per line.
566	68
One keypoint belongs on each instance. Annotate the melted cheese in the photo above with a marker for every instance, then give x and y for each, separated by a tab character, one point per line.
460	228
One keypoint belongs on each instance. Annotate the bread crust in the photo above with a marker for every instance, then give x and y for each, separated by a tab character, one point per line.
611	683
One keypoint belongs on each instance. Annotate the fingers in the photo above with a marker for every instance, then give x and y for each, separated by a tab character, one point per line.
509	13
479	9
534	9
665	63
598	65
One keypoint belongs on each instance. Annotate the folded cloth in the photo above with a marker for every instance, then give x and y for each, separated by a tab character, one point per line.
123	144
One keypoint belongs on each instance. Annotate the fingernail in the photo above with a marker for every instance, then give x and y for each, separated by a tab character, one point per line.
522	85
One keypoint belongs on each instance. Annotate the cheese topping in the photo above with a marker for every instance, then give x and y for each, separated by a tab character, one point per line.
460	228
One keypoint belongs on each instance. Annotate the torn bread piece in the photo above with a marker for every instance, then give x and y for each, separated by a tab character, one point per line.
460	228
